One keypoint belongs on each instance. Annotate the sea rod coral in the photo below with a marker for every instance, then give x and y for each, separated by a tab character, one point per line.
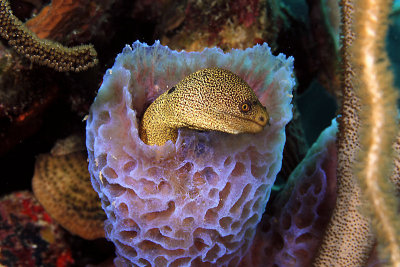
348	238
369	104
197	200
378	125
42	51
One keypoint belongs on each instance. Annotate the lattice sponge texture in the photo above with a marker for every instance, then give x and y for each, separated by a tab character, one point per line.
198	200
291	236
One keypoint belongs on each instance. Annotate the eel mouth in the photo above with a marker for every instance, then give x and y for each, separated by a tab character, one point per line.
246	125
263	120
251	122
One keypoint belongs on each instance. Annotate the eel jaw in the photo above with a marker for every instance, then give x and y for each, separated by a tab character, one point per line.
235	124
229	123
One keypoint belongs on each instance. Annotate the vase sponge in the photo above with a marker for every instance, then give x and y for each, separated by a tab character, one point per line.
197	200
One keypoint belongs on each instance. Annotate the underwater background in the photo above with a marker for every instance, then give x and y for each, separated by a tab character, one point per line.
44	105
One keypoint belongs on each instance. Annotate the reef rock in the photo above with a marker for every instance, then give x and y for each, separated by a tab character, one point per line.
28	235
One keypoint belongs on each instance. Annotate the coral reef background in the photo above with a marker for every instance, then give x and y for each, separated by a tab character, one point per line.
39	105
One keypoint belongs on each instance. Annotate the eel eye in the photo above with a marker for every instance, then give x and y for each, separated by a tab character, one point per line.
245	107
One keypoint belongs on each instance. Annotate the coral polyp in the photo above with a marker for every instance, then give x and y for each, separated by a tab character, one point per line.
197	200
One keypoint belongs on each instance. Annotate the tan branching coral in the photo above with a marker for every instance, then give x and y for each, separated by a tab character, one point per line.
348	239
43	51
349	236
379	124
395	178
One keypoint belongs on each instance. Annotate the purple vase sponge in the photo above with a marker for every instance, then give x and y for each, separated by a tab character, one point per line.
291	236
196	201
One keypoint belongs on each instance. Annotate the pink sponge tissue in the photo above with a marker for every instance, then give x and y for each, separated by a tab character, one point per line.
199	200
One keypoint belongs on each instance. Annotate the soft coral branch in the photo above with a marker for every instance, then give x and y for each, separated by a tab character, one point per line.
378	128
348	239
365	140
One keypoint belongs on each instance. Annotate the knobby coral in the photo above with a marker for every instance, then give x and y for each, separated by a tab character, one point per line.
43	51
198	200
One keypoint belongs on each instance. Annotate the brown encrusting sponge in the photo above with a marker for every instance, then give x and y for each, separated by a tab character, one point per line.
42	51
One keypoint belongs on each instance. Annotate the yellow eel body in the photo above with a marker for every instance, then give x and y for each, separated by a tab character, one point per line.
211	99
